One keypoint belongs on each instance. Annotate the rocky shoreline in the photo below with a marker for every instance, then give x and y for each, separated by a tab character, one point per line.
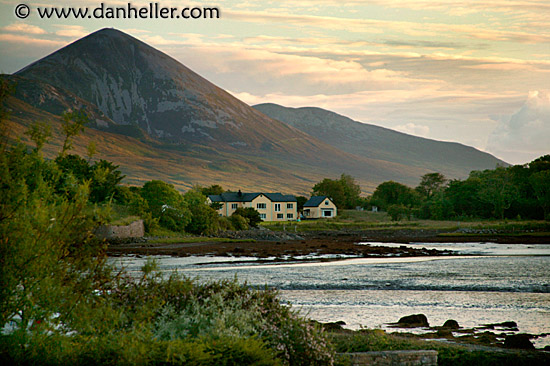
493	337
263	243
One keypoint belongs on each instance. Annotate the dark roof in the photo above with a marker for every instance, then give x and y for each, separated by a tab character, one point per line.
278	197
247	197
315	201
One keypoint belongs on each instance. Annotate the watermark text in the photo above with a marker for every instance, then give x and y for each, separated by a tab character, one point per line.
128	11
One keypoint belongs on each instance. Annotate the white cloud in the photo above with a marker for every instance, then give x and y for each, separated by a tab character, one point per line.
26	40
24	28
413	129
71	31
525	135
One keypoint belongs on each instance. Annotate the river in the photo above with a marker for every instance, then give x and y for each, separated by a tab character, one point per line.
485	283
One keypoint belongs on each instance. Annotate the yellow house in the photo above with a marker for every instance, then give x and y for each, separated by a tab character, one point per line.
271	206
319	207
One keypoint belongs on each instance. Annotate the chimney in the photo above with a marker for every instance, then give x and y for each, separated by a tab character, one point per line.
240	194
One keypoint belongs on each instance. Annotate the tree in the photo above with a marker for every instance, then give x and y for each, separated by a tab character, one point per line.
344	192
203	217
540	182
238	222
438	207
352	190
397	212
333	189
105	178
75	165
393	193
39	133
6	89
166	204
250	214
430	184
496	189
214	189
72	124
539	164
50	263
464	199
300	200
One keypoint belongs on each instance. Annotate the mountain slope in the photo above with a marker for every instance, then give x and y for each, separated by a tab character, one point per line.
134	84
452	159
141	161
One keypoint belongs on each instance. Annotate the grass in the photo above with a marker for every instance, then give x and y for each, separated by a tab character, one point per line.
523	234
124	220
196	239
120	215
366	220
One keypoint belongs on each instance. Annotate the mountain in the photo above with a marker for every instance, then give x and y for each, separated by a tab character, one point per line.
452	159
157	119
134	84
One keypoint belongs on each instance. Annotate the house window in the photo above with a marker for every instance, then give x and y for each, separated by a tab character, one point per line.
327	213
280	216
277	207
260	206
290	206
289	216
233	206
326	202
262	216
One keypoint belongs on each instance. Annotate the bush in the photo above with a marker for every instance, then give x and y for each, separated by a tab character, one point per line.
224	224
50	261
166	204
203	217
250	214
238	222
397	212
222	310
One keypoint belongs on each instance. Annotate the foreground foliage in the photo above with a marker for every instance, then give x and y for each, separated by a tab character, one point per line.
61	303
173	321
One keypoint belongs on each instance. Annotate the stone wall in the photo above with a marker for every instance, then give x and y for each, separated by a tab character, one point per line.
390	358
134	230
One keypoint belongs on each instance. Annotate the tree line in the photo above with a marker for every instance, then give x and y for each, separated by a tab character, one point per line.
519	191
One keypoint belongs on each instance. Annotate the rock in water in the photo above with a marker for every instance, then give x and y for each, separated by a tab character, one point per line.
451	324
413	321
520	341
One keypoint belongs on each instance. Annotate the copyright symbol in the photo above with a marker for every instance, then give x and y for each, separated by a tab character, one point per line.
22	11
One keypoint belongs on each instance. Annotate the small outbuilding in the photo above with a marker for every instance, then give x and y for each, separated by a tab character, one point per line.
319	207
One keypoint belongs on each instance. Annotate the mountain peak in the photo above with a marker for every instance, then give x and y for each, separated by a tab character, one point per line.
135	84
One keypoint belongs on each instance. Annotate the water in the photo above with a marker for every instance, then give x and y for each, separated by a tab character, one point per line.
492	284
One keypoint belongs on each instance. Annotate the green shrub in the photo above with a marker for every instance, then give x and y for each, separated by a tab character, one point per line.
250	214
238	222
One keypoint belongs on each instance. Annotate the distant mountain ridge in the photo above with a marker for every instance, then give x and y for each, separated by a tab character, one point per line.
453	159
130	89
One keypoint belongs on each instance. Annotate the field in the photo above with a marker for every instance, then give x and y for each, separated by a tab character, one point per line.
366	220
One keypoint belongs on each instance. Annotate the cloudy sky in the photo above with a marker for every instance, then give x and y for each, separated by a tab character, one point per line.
475	72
